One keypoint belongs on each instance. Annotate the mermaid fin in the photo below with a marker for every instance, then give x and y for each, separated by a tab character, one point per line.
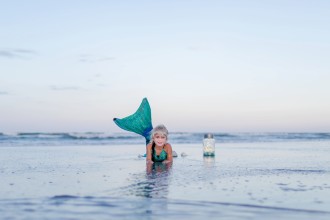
139	122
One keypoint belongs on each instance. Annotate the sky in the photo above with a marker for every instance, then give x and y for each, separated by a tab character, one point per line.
217	66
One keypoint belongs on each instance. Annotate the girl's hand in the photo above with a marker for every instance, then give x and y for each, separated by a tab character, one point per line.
150	162
166	161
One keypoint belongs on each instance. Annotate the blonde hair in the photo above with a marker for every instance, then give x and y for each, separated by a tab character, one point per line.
159	129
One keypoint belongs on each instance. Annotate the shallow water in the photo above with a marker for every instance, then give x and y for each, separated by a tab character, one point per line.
73	207
243	181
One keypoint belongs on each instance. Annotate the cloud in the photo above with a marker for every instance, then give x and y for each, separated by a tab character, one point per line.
16	53
102	85
102	59
86	58
4	93
64	88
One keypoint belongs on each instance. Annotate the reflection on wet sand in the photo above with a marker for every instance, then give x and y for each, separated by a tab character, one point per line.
158	168
157	180
153	183
209	161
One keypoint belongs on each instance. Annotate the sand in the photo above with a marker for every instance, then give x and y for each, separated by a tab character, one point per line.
243	181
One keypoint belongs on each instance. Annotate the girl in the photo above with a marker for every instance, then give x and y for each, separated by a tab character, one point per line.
158	150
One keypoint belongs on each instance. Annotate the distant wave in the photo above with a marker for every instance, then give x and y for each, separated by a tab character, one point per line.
102	138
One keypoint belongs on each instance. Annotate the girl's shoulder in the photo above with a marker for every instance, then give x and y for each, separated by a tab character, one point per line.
167	146
149	145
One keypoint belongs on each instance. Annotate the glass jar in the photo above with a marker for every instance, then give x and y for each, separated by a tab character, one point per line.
208	145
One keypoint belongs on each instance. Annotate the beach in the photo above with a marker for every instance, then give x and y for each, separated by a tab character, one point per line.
267	180
86	85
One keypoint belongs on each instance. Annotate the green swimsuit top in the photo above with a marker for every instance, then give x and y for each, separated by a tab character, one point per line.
158	158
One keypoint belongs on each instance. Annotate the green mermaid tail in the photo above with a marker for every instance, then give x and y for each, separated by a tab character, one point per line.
139	122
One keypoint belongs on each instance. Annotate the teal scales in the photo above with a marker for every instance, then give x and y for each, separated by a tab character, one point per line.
139	122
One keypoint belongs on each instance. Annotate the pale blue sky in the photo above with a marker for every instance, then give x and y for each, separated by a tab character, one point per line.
222	66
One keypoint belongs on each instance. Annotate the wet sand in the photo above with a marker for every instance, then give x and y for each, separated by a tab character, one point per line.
243	181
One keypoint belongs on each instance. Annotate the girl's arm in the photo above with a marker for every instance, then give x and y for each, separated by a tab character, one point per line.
148	158
168	149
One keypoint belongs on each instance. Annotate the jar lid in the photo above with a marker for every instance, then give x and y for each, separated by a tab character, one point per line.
209	135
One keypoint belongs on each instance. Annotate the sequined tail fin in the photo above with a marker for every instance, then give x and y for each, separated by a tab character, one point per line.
139	122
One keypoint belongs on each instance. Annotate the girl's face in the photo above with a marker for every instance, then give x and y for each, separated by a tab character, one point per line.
160	140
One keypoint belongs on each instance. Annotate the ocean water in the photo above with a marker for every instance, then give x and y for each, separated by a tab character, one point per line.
101	176
102	138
